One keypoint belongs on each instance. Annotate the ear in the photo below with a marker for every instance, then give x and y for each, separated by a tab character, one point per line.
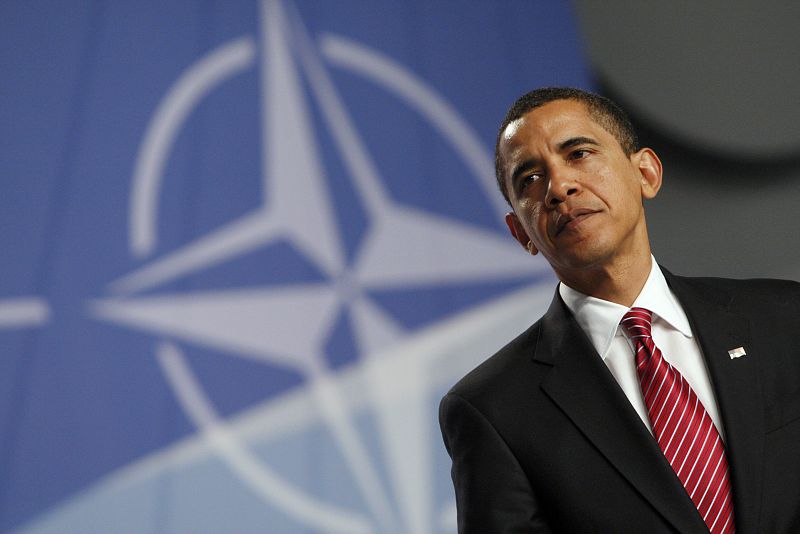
519	233
650	171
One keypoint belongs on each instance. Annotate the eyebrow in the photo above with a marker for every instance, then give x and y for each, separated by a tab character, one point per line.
528	164
575	141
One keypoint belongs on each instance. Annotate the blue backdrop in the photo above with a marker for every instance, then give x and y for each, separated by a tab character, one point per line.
246	248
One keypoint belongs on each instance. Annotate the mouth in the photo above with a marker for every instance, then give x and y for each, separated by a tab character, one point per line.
571	219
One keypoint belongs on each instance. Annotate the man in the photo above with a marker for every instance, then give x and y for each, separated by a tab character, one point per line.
582	423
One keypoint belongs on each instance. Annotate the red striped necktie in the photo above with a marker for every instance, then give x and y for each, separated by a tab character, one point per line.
682	427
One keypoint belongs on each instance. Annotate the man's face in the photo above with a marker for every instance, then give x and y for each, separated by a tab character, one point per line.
576	196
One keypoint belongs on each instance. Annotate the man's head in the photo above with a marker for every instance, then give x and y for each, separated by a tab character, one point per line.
602	110
576	182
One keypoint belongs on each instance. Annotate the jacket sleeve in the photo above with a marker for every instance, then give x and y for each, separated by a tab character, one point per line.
493	494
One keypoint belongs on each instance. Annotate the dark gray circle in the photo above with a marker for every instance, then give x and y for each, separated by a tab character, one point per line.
720	76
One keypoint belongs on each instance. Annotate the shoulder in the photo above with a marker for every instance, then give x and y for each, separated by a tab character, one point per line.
744	286
737	292
499	371
771	308
486	406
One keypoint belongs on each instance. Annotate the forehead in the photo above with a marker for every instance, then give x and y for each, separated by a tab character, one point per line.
551	124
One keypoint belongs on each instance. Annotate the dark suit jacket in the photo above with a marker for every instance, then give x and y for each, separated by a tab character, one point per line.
543	439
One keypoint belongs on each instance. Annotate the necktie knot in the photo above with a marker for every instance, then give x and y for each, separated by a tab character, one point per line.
637	323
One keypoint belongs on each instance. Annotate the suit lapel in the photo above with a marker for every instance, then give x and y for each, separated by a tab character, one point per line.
583	387
736	385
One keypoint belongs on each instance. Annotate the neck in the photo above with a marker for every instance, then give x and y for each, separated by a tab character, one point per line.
620	282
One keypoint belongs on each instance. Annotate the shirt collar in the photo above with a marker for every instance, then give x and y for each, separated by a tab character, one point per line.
600	318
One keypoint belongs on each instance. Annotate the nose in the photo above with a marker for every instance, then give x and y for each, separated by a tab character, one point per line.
562	183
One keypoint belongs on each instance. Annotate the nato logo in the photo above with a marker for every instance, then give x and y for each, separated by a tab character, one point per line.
304	333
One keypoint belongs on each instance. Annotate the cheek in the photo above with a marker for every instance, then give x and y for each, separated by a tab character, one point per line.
614	191
538	220
603	181
527	207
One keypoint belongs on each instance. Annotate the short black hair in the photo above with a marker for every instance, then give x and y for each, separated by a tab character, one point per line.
602	110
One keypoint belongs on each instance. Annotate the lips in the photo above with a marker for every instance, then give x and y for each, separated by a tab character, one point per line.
563	220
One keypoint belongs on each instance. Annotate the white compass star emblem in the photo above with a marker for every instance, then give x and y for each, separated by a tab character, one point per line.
288	325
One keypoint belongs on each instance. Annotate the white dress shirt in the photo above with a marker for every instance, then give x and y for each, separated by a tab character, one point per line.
671	333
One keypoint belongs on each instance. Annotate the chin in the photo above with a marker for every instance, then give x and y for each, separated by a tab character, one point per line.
586	257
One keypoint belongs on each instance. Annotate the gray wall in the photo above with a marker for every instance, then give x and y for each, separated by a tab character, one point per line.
714	88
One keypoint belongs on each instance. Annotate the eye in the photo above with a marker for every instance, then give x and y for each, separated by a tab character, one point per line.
578	154
530	179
